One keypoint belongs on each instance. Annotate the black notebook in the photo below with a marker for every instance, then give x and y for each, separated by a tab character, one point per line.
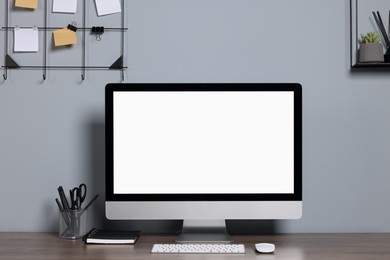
98	236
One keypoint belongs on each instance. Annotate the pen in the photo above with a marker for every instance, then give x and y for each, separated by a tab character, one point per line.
90	203
59	204
64	216
64	201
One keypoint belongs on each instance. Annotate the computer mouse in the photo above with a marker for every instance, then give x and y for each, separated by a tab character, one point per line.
265	248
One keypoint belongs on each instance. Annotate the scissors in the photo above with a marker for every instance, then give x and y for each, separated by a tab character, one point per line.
77	196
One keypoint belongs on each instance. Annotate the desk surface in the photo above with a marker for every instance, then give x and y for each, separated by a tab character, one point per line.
293	247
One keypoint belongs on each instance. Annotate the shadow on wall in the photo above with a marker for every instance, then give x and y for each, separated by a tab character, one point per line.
96	214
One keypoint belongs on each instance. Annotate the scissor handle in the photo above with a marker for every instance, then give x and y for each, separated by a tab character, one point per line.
77	196
74	198
82	193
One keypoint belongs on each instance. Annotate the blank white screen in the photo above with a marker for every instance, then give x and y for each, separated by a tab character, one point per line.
203	142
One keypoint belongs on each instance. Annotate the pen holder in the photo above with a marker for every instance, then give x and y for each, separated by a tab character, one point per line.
72	224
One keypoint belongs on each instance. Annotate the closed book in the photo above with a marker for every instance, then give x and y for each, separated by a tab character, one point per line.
99	236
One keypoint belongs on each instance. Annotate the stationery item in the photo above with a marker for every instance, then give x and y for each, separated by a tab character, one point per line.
59	204
73	218
30	4
26	39
98	31
64	201
72	224
106	7
77	196
65	218
64	6
92	201
98	236
64	37
72	27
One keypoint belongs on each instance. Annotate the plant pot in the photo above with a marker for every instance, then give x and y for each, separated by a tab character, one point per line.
371	52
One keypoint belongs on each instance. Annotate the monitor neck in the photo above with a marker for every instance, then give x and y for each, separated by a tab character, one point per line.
204	231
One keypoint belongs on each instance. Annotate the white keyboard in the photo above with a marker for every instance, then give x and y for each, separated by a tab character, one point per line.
198	249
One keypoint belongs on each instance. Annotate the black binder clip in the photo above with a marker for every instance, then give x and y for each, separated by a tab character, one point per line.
72	27
98	30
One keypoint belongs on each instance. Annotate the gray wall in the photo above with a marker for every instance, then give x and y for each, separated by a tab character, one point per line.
52	132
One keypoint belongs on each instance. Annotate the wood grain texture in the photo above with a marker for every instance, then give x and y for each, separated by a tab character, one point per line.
44	246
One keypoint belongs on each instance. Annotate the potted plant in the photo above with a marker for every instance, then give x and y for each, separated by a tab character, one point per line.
371	49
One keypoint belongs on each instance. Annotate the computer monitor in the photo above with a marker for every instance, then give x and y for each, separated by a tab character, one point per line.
203	153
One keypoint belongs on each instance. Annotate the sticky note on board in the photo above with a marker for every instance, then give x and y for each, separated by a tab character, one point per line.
106	7
64	37
30	4
26	40
64	6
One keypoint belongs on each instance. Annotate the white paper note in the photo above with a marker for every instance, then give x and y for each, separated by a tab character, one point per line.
26	40
64	6
105	7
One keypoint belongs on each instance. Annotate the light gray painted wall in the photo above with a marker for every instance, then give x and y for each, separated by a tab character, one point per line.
52	132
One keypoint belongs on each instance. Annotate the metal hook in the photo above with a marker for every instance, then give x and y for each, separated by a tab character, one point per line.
82	77
44	76
5	77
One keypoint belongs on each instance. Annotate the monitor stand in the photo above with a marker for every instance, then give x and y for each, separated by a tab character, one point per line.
204	231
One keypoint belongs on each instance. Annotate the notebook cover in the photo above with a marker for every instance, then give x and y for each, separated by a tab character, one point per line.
99	236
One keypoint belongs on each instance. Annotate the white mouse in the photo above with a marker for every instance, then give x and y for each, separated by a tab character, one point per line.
265	248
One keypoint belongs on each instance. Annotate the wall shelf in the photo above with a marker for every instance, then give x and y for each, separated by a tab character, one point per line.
371	65
361	22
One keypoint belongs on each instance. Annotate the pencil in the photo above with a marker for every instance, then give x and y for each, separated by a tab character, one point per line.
90	203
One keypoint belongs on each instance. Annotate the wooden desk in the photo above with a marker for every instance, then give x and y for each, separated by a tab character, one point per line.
44	246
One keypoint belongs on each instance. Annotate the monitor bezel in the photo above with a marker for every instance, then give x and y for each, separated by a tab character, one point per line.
115	87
